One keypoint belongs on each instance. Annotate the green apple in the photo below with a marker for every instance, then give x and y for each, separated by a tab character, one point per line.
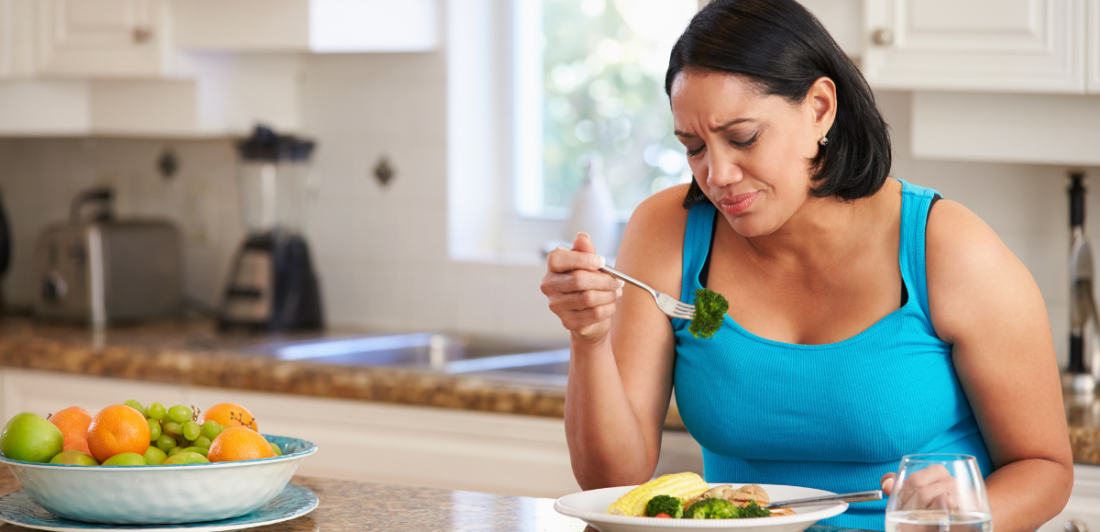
278	451
74	458
154	456
186	457
126	459
30	438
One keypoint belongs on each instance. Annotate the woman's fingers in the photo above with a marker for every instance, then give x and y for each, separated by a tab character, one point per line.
583	300
580	319
562	261
579	281
887	482
929	488
579	294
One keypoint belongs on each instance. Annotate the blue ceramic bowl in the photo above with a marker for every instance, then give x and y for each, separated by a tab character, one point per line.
166	494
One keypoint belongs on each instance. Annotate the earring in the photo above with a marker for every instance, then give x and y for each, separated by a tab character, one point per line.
824	141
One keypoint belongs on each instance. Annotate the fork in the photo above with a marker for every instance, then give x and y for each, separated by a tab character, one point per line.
671	306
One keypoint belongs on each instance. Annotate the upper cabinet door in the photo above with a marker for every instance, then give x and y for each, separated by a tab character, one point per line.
1093	53
100	38
980	45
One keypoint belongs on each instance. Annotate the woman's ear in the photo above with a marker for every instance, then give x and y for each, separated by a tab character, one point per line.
821	99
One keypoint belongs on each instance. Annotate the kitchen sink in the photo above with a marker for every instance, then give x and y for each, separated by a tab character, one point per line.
446	353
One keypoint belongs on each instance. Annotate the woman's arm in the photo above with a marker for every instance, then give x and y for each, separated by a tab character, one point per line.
984	301
620	371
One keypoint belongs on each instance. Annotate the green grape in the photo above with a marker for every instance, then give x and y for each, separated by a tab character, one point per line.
154	429
278	451
156	411
179	414
174	451
155	456
165	442
211	429
172	428
135	405
201	441
198	450
191	430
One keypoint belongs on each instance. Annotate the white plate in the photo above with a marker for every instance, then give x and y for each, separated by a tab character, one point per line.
591	506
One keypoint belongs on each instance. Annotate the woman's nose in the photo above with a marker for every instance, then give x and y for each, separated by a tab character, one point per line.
723	170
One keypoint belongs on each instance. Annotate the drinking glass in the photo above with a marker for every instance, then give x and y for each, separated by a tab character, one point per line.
938	493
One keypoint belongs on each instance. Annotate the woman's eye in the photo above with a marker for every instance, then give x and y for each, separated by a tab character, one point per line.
693	153
747	143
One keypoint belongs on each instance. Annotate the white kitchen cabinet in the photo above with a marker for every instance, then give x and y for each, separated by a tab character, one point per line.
1084	503
1093	52
977	45
100	38
16	39
323	26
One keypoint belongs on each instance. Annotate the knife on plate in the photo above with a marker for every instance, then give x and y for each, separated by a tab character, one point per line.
860	496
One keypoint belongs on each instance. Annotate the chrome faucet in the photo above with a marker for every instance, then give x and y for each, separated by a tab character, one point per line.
1078	376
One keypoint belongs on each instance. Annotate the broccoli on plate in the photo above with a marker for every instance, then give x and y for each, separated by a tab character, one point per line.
712	509
665	504
753	510
710	310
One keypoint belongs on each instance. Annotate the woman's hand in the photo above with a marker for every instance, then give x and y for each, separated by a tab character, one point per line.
930	488
582	296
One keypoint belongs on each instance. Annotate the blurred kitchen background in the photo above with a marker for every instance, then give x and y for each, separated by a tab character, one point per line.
451	137
97	92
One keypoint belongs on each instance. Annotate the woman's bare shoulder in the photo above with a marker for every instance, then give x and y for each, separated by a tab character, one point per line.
653	241
662	213
972	275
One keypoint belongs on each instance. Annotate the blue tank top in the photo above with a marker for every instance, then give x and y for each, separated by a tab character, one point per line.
835	416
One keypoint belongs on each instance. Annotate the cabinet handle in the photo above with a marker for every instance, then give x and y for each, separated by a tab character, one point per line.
142	35
883	37
1076	525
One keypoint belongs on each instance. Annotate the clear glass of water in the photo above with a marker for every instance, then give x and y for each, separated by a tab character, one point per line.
938	493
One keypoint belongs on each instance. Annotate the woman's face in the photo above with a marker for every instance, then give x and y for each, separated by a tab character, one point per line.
750	153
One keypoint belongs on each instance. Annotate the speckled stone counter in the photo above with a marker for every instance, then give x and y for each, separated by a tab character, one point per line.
193	352
356	506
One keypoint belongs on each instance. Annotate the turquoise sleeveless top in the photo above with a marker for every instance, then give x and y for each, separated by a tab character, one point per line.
835	416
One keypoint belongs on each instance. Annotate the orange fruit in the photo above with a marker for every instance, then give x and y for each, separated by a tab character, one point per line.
230	415
118	429
239	443
73	422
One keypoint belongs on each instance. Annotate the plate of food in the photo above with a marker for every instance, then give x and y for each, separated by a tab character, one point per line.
684	501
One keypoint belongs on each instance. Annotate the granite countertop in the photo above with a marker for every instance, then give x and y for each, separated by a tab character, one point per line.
356	506
193	352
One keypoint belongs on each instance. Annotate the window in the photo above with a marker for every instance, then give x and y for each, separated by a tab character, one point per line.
589	81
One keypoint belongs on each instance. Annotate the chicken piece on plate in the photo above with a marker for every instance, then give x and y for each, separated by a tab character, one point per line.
740	497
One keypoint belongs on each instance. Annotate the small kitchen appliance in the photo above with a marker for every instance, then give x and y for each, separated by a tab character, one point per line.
102	269
272	285
1078	376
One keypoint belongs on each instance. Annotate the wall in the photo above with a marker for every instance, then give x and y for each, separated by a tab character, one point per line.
382	250
1027	205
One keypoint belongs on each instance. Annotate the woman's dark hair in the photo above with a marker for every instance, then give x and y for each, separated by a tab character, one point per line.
783	49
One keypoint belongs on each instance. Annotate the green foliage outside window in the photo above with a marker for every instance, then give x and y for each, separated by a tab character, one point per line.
603	66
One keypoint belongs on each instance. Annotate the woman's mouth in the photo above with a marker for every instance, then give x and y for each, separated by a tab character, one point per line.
737	204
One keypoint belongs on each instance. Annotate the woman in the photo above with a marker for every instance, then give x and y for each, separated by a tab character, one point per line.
864	324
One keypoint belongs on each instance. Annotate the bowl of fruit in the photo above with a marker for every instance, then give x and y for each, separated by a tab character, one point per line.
136	465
